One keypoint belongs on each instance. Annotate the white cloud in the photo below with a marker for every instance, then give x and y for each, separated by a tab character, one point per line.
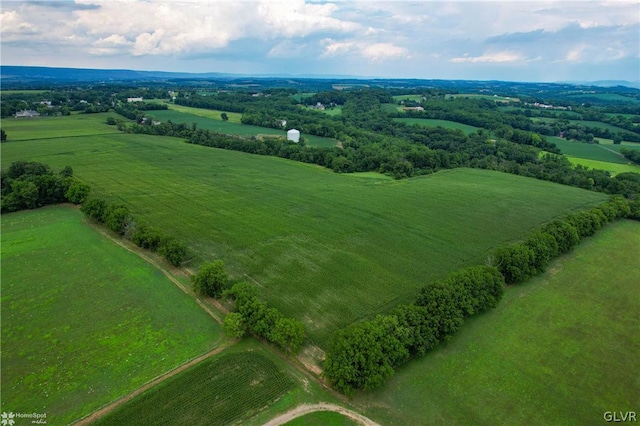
495	57
371	51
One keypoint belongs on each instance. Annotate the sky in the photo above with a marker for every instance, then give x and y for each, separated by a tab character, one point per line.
544	40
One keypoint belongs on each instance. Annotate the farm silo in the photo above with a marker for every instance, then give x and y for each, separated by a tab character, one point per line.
293	135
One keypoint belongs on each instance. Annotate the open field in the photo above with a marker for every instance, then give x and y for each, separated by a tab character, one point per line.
218	391
607	97
588	151
232	128
559	349
608	143
613	168
94	322
27	91
430	122
585	123
19	129
214	114
416	98
392	108
322	247
322	418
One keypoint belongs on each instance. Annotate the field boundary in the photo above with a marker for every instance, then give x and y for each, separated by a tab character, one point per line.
304	409
106	409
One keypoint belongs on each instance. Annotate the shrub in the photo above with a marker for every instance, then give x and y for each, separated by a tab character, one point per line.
211	280
173	250
515	263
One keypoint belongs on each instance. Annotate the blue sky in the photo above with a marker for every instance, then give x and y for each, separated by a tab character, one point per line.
543	40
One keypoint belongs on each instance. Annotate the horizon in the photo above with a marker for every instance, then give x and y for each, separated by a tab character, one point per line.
545	41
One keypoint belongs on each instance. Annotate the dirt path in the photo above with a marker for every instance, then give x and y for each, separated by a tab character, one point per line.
118	402
303	409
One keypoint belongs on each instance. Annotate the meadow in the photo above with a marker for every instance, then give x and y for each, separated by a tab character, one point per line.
94	322
559	349
322	418
613	168
589	151
326	248
58	127
205	121
430	122
213	114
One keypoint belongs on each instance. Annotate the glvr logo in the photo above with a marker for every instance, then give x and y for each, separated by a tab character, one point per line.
619	416
7	419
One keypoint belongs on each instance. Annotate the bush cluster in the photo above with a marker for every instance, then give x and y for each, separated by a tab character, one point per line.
363	355
118	218
521	261
29	185
258	318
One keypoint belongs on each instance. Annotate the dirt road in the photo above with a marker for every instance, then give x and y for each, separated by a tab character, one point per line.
301	410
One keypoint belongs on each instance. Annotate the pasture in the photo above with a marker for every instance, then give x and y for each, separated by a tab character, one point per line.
19	129
496	98
559	349
415	98
588	151
430	122
85	321
325	248
232	128
213	114
322	418
613	168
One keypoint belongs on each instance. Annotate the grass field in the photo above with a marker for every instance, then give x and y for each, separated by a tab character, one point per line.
429	122
218	391
502	99
214	114
613	168
560	349
232	128
392	108
19	129
586	123
322	247
416	98
588	151
83	320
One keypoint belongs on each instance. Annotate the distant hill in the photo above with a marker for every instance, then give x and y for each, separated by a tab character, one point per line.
605	83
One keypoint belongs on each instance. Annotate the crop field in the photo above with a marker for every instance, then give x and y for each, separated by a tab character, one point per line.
613	168
588	151
214	114
94	322
559	349
608	143
232	128
322	418
607	97
392	108
503	99
218	391
586	123
416	98
429	122
57	127
323	247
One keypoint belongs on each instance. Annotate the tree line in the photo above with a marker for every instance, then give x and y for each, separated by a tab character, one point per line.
631	154
364	355
29	185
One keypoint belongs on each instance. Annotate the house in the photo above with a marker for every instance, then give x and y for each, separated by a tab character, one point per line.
418	108
27	113
134	99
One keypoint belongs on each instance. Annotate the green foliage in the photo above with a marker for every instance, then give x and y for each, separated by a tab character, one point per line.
77	192
3	135
117	218
233	325
544	247
515	263
66	172
173	250
211	280
95	209
147	237
634	209
289	334
565	234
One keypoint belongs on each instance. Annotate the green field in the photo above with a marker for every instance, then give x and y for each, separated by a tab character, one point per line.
322	418
588	151
585	123
231	128
214	114
19	129
613	168
502	99
85	321
416	98
392	108
218	391
323	247
559	349
429	122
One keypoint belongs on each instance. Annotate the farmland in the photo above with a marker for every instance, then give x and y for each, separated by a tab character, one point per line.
575	327
322	247
218	391
613	168
438	123
177	115
588	151
101	321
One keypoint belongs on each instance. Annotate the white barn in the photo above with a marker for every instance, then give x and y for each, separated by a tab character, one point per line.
293	135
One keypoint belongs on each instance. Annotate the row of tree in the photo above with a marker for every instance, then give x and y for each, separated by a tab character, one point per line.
258	318
363	355
520	261
119	219
631	154
29	185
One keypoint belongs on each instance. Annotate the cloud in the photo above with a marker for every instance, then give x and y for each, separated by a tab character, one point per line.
371	51
495	57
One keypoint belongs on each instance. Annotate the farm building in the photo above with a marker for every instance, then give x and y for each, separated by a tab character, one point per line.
134	99
27	113
293	135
